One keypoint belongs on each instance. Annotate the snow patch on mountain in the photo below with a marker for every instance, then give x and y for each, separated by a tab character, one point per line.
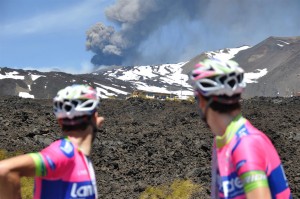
282	43
25	95
254	76
229	53
225	54
104	91
35	77
165	78
137	73
11	75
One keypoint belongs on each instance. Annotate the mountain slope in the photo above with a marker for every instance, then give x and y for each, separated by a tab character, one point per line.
280	57
117	82
272	69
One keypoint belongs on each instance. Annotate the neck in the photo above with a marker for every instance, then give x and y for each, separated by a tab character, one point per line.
218	122
83	139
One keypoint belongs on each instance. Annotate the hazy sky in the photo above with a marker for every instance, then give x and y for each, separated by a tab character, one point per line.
43	35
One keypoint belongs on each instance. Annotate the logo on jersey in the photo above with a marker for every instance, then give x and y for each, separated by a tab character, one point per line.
240	164
242	132
67	148
82	172
256	176
50	162
230	186
80	190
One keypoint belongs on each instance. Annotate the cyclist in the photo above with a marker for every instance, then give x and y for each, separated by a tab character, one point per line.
63	169
245	164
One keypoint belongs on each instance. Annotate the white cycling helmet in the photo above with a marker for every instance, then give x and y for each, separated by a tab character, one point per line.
74	101
213	77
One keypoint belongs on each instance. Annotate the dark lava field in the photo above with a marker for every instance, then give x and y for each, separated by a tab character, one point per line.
149	143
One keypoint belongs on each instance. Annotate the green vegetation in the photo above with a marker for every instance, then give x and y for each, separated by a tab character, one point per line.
2	154
112	97
179	189
27	187
26	183
173	99
191	99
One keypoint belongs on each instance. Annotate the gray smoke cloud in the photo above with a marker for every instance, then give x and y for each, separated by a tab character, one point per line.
168	31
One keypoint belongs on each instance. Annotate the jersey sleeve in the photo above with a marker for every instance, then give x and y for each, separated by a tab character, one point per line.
250	160
52	161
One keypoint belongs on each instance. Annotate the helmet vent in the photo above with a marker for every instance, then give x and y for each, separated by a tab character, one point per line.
211	69
222	79
240	78
231	83
68	108
89	105
58	105
206	85
195	75
232	74
75	103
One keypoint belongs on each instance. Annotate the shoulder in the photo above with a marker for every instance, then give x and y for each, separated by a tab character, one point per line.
63	147
53	160
251	148
249	132
250	138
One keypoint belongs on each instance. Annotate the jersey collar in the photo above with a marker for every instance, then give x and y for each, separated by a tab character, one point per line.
231	129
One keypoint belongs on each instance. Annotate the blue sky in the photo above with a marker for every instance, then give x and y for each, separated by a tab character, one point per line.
50	34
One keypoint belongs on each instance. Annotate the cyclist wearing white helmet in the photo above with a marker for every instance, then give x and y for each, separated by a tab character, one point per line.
245	163
63	169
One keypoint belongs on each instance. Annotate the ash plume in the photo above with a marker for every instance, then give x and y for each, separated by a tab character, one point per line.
162	31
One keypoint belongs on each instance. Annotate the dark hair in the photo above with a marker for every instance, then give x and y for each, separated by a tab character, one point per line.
77	123
224	103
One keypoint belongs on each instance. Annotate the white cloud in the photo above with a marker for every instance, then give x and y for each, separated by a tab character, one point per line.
64	19
86	67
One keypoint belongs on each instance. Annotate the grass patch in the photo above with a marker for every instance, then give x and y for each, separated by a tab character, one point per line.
179	189
26	183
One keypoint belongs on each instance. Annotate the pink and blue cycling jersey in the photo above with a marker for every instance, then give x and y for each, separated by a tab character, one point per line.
63	172
246	160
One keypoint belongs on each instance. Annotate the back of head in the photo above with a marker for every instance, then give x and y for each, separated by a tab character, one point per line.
221	81
74	105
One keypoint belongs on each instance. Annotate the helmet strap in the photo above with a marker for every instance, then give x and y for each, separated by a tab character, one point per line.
95	129
210	100
203	113
232	100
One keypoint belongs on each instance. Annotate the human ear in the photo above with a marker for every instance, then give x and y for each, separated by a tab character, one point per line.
60	123
98	120
201	103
